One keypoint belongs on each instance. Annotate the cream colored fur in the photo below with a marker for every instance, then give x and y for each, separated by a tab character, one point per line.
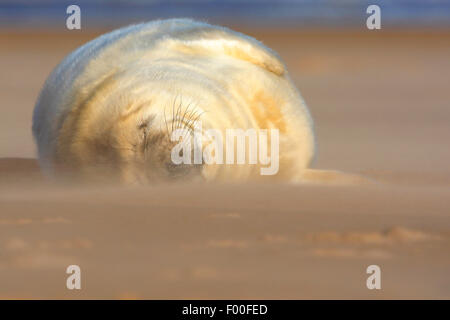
106	109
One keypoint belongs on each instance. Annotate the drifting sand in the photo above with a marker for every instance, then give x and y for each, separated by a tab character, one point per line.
380	103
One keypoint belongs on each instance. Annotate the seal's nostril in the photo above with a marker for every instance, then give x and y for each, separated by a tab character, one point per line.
177	170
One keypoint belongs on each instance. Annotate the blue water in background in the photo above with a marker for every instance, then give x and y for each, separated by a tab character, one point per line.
318	13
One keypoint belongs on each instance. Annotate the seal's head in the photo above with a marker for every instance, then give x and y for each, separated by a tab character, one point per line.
153	154
134	147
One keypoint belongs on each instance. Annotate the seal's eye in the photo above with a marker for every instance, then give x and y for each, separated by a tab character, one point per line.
144	126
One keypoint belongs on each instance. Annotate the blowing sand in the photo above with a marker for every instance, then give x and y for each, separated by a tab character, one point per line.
380	104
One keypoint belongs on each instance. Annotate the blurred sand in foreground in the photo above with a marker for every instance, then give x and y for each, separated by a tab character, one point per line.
380	104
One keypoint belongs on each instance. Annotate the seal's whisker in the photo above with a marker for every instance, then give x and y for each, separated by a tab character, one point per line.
184	114
165	121
173	114
193	120
188	123
180	105
178	120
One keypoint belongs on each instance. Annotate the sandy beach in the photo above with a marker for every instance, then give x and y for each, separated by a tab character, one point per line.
380	102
